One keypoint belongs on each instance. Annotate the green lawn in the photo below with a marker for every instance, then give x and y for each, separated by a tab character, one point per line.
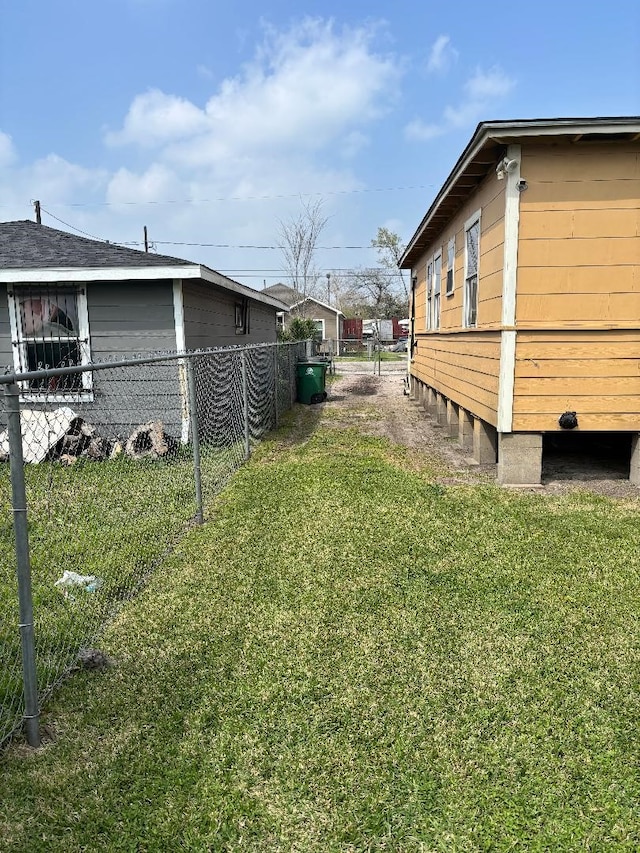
351	657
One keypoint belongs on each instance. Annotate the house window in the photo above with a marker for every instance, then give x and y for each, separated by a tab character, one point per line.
50	329
471	264
319	335
242	317
429	293
437	285
451	259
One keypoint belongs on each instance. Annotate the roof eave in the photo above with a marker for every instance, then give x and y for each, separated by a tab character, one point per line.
502	132
46	275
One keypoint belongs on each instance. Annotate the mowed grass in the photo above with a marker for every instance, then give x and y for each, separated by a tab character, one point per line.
351	657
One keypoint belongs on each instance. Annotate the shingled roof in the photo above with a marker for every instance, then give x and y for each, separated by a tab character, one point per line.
36	253
27	245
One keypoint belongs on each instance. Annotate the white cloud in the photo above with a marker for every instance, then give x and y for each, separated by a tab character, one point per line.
442	55
486	85
157	183
422	131
304	88
481	91
155	118
204	71
7	151
353	144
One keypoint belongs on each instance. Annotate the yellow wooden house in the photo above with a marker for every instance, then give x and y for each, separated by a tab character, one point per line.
526	290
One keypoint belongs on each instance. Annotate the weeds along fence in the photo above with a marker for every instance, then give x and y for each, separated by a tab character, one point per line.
103	469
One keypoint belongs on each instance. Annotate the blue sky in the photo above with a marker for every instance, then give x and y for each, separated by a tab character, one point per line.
208	122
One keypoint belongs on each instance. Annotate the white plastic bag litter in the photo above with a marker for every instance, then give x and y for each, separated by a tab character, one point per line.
72	580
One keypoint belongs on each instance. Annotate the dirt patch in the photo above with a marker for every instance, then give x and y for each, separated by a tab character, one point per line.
377	405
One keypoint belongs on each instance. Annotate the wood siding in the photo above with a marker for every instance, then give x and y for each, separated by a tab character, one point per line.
464	368
578	298
209	318
579	249
464	364
593	373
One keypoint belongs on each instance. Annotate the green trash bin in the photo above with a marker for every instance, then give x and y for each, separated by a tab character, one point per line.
311	379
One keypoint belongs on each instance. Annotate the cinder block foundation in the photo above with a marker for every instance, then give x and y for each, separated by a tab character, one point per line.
520	458
485	442
441	410
452	419
465	429
432	402
634	471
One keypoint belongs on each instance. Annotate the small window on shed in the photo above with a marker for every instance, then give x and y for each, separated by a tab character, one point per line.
242	317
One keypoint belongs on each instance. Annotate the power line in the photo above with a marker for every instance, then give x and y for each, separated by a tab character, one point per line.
248	198
184	243
232	246
73	227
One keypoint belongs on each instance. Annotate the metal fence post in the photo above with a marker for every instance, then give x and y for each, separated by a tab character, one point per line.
23	565
276	384
245	400
292	386
195	439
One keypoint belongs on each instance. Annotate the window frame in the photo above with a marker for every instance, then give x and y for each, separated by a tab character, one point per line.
322	321
242	315
451	264
474	219
20	341
429	287
437	290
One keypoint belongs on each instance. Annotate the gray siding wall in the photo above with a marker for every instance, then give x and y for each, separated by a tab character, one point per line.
129	318
209	318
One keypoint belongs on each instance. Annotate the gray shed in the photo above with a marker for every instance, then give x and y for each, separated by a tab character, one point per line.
66	300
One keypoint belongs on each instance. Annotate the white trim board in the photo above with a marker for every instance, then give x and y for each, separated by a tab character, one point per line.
150	273
508	335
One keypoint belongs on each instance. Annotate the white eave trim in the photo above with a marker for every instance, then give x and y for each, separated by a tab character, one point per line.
317	302
151	273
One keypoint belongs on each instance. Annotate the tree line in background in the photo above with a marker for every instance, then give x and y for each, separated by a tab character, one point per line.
368	292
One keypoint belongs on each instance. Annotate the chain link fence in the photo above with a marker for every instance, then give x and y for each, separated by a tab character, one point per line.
115	468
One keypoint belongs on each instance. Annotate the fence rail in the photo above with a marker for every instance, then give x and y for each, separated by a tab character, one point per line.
109	481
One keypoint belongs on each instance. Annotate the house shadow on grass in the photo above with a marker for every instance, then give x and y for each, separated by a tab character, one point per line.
297	425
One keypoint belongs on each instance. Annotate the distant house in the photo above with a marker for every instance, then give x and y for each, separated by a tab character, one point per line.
68	300
328	320
526	290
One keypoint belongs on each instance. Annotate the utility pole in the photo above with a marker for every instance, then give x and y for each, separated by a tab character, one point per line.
36	204
328	288
146	239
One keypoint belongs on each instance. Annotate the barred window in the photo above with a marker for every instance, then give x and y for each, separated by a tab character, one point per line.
49	327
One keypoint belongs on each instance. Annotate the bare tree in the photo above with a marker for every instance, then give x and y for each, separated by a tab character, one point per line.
377	289
298	240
